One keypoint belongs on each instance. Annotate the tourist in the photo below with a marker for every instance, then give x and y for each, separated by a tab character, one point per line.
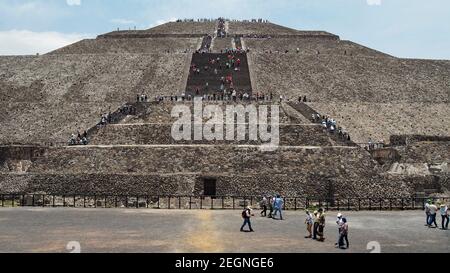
443	210
344	235
339	223
427	211
433	210
321	225
264	207
309	221
316	225
270	203
448	217
246	215
278	205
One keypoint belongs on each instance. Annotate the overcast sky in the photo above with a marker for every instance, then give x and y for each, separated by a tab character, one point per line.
404	28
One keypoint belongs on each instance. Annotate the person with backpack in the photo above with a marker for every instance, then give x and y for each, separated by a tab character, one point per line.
246	215
344	234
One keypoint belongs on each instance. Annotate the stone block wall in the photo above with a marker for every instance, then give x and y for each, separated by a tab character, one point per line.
152	134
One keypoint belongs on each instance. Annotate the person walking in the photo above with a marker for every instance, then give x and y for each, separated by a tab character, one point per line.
433	210
270	203
443	210
344	234
309	221
264	207
278	206
246	215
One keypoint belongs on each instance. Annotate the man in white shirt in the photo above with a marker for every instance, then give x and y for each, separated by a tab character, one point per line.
433	209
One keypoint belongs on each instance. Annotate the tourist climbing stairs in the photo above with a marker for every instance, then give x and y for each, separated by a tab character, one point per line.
309	112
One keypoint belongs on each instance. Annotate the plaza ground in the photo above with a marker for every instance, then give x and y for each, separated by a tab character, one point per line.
198	231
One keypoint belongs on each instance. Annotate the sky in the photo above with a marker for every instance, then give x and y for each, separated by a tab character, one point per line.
403	28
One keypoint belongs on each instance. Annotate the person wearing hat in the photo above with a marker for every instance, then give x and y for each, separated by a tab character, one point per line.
339	222
309	223
247	214
316	225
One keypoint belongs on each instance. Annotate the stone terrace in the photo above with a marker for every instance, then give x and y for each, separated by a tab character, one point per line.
54	95
338	78
309	46
184	28
379	121
131	45
251	28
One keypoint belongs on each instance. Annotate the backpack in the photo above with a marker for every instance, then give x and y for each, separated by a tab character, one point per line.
244	214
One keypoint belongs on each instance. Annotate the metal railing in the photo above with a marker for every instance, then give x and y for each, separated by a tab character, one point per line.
207	202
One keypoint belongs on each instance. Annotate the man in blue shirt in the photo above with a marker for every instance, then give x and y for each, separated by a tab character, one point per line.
278	206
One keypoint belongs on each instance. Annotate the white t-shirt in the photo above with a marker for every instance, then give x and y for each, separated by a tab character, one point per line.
433	209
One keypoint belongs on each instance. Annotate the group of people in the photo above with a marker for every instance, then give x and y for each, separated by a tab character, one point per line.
221	32
330	125
431	210
315	226
273	203
141	98
79	139
371	145
315	222
202	20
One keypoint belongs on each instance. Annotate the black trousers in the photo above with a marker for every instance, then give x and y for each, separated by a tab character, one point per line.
264	211
315	230
342	238
444	220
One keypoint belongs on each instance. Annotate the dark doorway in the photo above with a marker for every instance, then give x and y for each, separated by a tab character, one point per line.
209	186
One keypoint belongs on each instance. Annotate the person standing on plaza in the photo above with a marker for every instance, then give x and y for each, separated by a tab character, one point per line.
343	234
339	223
427	212
321	225
443	210
316	225
309	221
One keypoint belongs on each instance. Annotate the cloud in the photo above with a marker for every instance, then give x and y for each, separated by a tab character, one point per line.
25	42
374	2
162	21
122	21
73	2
